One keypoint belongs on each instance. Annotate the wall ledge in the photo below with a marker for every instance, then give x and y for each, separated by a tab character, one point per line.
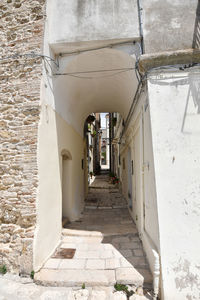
150	61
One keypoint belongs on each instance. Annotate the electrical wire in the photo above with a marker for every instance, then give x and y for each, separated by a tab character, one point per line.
111	45
97	77
95	71
31	55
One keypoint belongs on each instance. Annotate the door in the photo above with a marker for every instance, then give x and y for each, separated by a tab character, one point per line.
129	179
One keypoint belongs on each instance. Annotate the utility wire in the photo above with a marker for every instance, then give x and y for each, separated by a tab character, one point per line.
31	55
97	77
95	71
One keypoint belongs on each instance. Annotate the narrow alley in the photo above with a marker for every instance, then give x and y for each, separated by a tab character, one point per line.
104	243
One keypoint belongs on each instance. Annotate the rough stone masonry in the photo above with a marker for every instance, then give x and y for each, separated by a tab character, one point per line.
21	32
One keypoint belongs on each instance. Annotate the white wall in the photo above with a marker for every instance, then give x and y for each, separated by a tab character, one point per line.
168	25
55	135
83	20
151	225
66	102
176	150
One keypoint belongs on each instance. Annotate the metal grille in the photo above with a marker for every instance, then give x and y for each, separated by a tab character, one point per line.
64	253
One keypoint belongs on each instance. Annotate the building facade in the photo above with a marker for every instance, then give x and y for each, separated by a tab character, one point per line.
63	60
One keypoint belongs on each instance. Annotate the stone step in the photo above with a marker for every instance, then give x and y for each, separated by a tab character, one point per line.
72	278
77	277
81	233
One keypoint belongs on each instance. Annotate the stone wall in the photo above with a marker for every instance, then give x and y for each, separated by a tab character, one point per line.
21	28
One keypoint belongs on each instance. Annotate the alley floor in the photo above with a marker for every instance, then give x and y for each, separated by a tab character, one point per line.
105	242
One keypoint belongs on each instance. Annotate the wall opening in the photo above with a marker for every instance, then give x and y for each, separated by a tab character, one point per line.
66	185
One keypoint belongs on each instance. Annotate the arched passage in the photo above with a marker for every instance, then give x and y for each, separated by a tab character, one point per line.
80	94
108	84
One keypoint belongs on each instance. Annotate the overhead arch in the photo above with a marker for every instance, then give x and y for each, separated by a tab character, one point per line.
78	95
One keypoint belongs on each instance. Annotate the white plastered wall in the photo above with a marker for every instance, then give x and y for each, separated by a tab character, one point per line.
56	135
175	124
138	137
66	101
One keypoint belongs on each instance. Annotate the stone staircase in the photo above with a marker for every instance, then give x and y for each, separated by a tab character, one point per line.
95	263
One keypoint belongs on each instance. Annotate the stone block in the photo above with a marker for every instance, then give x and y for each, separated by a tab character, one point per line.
52	263
148	278
112	263
138	252
69	245
119	296
124	263
87	254
55	295
82	294
71	278
106	254
137	297
129	276
98	295
138	261
76	264
96	264
129	245
120	240
126	253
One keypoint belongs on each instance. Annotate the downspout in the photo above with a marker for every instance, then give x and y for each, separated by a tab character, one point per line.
110	142
150	249
140	25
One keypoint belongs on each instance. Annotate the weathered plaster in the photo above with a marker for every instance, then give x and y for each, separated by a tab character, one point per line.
81	20
56	135
175	123
168	25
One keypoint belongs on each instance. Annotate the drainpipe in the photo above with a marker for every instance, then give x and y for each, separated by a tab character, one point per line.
140	25
150	248
110	141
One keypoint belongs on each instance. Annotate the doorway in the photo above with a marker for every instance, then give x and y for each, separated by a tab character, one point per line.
129	179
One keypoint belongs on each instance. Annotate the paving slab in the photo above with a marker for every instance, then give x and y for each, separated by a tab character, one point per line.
70	278
52	263
105	240
129	276
95	264
78	264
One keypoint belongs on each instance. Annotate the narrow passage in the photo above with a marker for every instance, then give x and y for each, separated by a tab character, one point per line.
106	242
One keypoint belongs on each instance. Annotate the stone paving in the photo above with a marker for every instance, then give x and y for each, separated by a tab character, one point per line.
108	248
13	287
103	194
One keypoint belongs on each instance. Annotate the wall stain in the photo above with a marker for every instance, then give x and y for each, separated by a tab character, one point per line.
185	278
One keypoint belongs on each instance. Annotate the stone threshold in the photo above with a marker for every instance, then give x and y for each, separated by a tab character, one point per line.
103	188
81	233
76	278
105	207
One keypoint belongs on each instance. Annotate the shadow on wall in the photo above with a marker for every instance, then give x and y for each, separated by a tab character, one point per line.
196	37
